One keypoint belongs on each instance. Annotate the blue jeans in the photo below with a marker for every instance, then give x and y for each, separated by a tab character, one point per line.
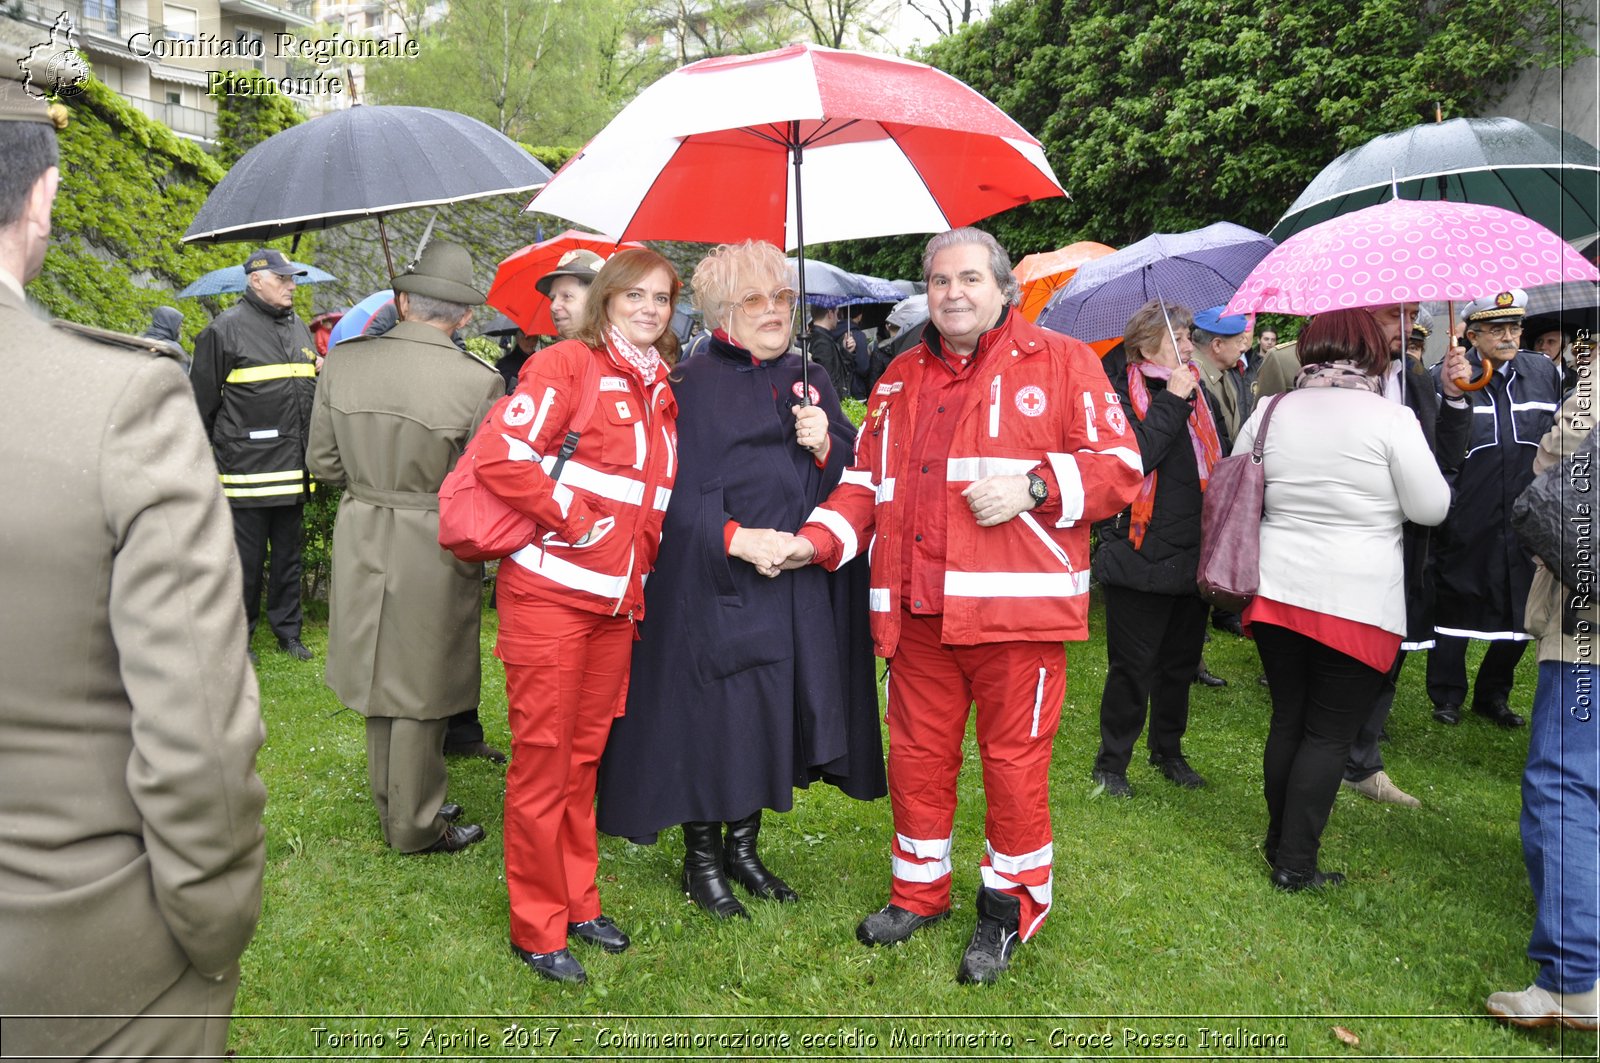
1561	825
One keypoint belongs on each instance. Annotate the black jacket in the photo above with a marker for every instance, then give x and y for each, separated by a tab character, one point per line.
1165	561
1483	573
826	353
254	376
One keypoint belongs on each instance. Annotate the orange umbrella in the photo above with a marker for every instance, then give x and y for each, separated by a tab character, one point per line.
1043	274
513	292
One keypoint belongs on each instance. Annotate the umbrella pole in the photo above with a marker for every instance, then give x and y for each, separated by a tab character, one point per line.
797	153
388	256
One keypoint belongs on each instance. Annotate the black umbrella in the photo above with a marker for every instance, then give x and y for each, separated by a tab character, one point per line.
1536	170
361	162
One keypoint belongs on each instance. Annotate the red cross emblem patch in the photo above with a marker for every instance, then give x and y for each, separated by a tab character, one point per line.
519	411
1031	401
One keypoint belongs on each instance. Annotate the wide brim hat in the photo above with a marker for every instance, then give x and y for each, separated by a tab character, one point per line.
442	271
584	265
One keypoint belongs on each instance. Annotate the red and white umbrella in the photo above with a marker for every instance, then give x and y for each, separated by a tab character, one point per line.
513	292
1406	251
799	143
803	143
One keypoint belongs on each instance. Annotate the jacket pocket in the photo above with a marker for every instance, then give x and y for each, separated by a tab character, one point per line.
626	441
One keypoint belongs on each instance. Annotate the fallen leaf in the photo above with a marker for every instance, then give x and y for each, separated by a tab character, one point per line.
1346	1036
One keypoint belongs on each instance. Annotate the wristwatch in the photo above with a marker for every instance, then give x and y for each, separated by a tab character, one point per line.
1038	490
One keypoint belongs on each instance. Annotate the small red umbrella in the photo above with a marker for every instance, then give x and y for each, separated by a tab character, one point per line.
1042	274
513	292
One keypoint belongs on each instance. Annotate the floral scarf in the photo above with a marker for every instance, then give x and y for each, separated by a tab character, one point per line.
647	363
1337	375
1202	436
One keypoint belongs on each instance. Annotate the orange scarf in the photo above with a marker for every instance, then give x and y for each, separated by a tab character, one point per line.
1202	435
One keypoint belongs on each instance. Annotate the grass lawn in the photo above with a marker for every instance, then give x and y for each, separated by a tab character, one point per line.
1165	940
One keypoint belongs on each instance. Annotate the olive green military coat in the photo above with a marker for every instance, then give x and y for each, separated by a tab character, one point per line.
131	845
391	416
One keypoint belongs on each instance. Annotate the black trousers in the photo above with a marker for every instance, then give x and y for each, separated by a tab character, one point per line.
1320	699
463	728
1447	671
1153	644
1366	754
269	539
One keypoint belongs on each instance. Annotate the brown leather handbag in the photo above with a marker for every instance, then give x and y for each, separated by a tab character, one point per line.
1229	573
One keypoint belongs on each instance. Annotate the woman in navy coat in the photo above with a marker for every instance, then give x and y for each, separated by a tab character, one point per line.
747	682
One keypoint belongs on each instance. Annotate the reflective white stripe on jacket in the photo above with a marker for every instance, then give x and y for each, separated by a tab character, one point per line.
1032	400
600	523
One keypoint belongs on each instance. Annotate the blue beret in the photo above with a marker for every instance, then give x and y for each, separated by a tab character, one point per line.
1211	320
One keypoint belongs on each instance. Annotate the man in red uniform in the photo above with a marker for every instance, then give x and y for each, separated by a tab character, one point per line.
988	450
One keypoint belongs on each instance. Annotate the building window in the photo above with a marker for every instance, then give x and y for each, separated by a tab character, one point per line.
182	23
100	14
174	99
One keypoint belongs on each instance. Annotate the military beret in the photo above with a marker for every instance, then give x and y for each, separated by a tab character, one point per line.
1212	320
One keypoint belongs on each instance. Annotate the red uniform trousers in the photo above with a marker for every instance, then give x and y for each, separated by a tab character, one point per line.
566	680
1018	687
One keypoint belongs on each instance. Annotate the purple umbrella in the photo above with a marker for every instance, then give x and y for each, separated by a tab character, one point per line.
1194	269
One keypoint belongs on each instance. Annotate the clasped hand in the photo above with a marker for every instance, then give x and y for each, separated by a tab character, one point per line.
771	551
997	499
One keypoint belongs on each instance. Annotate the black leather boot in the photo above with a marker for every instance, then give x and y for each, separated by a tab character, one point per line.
740	861
703	878
996	935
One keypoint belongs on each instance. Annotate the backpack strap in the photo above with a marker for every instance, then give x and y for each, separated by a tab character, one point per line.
588	396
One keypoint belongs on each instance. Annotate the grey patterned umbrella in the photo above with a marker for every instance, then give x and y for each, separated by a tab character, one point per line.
1533	169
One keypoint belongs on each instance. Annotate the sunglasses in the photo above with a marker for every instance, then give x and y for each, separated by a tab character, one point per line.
757	303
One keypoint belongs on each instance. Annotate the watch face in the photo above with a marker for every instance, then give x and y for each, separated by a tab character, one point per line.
1037	489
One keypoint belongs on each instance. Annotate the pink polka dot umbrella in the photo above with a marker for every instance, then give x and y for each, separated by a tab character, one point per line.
1405	251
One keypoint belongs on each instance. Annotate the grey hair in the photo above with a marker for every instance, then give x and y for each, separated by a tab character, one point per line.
999	261
1202	339
427	308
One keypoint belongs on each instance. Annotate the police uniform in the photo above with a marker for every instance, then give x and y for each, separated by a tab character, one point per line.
1482	573
254	376
132	854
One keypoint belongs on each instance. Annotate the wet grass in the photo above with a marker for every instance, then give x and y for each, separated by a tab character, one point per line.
1165	939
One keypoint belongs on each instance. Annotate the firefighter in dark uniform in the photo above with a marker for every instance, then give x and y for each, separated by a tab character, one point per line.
1483	574
254	377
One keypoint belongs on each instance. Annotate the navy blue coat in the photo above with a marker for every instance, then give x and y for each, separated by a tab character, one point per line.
743	687
1483	574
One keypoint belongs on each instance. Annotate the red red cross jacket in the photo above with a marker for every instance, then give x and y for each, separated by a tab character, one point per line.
614	488
1032	401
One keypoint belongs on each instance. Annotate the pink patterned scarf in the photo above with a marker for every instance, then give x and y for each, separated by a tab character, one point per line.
647	363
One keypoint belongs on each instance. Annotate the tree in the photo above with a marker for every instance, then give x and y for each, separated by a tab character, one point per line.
527	67
836	23
1163	115
945	16
687	30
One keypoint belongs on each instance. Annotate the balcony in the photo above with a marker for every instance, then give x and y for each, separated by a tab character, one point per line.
190	122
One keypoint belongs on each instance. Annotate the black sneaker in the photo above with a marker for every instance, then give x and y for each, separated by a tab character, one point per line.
295	648
1177	769
558	966
996	935
892	924
1114	783
600	931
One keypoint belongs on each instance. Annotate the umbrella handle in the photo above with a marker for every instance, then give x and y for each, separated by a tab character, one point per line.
1483	381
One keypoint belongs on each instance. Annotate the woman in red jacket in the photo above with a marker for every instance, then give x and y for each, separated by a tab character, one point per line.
587	446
